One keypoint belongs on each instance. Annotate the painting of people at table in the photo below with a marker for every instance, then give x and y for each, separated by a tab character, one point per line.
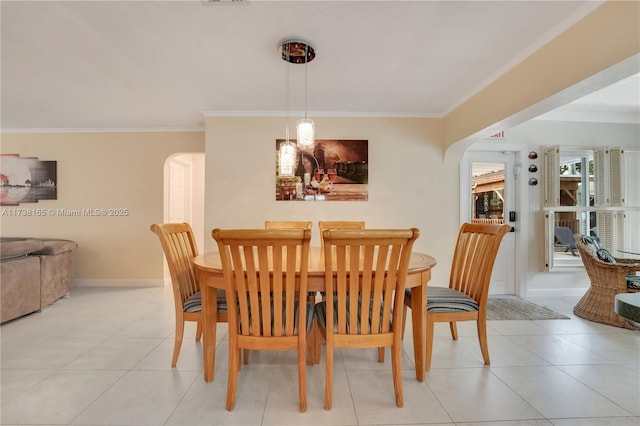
332	170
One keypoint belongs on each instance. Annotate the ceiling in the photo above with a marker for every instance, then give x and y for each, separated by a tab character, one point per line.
161	65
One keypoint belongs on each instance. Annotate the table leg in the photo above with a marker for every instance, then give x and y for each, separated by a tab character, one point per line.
209	312
419	325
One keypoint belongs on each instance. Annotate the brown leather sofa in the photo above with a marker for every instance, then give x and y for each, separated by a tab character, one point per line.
34	272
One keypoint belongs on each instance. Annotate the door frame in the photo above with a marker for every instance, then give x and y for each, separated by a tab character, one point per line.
520	200
187	195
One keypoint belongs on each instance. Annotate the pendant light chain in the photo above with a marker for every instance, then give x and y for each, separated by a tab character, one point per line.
286	91
306	62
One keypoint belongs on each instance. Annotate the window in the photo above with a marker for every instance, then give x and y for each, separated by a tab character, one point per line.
584	194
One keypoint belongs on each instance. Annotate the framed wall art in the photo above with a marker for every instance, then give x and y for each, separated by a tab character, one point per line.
332	170
26	180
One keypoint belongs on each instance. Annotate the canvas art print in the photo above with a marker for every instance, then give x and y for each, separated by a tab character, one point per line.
332	170
26	180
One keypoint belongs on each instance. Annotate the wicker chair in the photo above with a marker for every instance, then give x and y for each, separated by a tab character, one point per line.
607	280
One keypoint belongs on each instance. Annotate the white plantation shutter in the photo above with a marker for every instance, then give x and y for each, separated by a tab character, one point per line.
552	177
609	191
549	226
616	177
606	229
632	181
620	237
601	177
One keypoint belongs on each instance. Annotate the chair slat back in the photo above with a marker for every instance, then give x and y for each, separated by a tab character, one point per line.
179	247
265	273
287	224
337	224
473	259
340	224
364	270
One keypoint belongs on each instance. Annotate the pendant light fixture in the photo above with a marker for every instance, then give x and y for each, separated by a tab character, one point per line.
288	151
298	51
287	158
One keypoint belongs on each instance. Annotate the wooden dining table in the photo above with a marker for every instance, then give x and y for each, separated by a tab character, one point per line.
208	270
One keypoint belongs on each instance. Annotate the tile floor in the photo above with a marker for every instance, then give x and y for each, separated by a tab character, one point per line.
102	357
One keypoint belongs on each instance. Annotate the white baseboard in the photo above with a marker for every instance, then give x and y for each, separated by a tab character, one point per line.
556	292
133	283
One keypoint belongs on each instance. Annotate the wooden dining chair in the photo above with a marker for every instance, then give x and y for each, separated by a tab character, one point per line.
337	224
334	224
294	224
265	272
179	247
286	224
364	271
466	297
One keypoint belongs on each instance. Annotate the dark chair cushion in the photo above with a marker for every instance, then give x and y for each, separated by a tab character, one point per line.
595	241
592	243
605	256
321	314
444	299
194	302
633	282
309	320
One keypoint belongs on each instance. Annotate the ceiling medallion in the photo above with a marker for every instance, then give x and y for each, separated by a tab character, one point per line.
293	51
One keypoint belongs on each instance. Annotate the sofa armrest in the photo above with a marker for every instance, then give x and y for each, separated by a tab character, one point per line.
19	248
51	247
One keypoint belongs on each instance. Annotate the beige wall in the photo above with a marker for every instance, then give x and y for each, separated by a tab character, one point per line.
607	36
110	171
409	184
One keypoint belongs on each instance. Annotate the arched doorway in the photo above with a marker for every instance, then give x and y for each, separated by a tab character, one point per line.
184	191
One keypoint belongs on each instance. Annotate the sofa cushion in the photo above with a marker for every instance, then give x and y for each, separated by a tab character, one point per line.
57	247
19	248
20	289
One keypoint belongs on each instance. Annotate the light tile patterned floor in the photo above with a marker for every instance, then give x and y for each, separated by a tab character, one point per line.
102	357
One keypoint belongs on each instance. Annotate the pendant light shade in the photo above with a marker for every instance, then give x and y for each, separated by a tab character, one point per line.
306	133
287	159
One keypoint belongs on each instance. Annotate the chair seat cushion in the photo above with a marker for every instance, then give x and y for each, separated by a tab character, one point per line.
194	302
321	314
444	299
